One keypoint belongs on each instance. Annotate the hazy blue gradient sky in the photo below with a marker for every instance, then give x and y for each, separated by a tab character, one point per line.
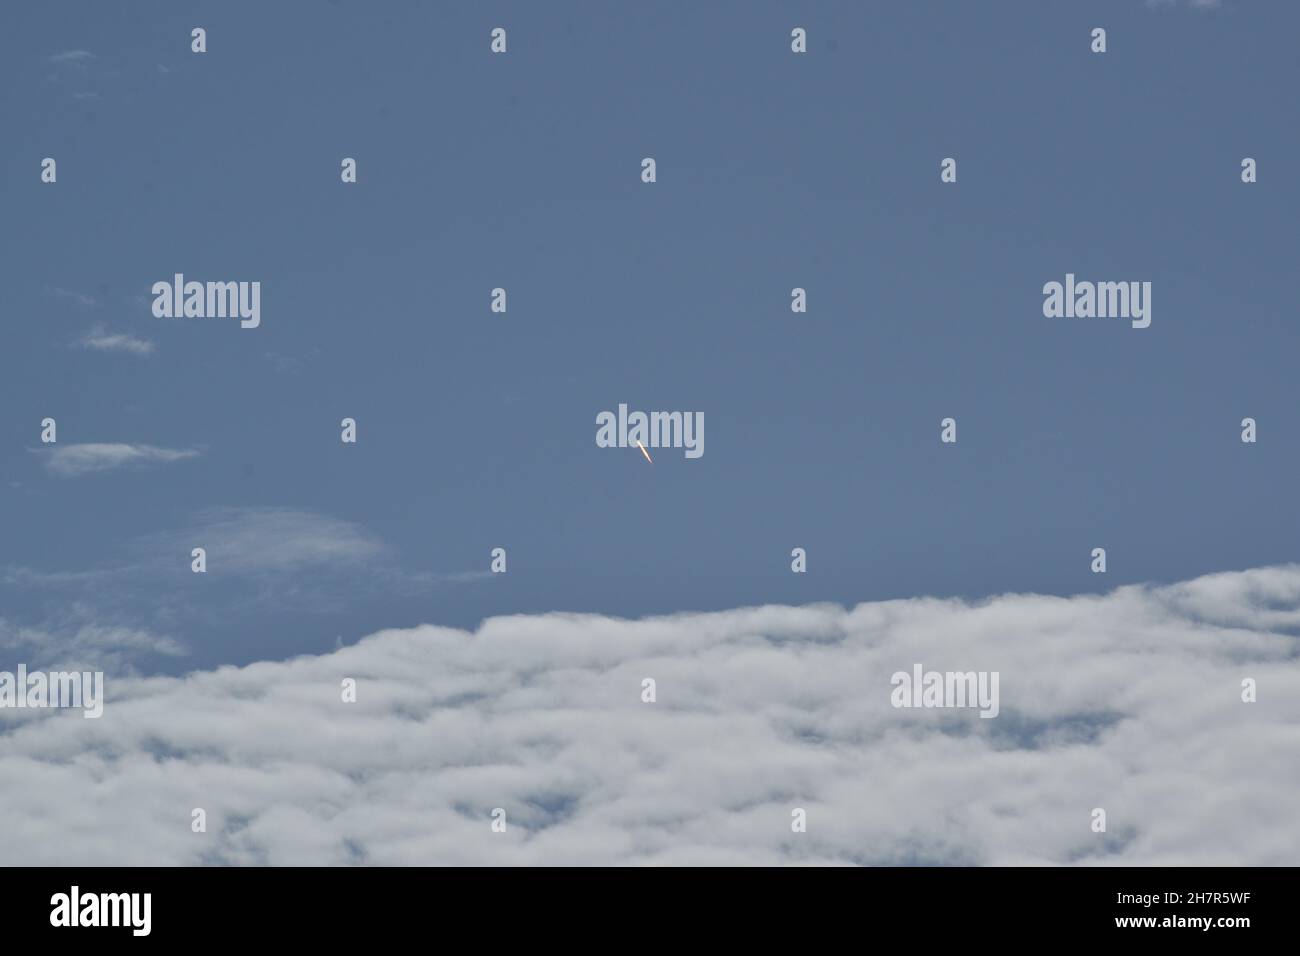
775	170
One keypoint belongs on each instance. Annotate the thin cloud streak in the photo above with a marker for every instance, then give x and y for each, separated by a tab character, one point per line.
70	461
101	340
72	56
80	298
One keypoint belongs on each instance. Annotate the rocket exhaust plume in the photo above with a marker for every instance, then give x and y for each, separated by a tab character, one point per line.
644	452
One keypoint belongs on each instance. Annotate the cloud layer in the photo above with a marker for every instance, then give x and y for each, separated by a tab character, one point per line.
72	460
1129	701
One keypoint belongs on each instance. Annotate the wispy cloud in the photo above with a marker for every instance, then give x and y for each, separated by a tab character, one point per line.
283	363
72	460
101	340
242	542
285	558
80	298
1197	4
1128	701
258	541
71	56
259	559
74	71
79	637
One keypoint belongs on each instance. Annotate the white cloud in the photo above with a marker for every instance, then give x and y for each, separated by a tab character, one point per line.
72	460
80	298
102	340
276	559
72	56
1128	701
72	639
255	541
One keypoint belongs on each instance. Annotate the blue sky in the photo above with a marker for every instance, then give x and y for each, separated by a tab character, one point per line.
774	171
